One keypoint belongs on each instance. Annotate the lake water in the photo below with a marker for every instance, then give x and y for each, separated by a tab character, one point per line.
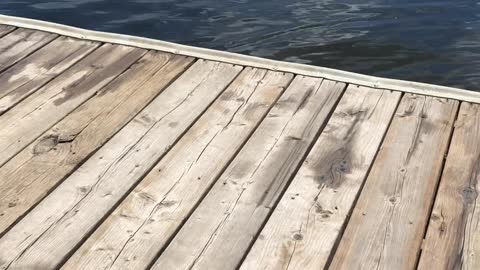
428	41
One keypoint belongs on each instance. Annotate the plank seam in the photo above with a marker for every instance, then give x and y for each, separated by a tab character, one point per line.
108	139
435	193
141	178
245	60
28	54
86	100
221	172
93	152
289	181
68	175
51	79
88	156
333	251
8	31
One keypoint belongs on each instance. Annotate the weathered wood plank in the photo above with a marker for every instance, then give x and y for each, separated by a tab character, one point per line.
31	174
37	113
5	29
20	43
33	72
211	237
179	180
388	223
306	223
58	224
453	235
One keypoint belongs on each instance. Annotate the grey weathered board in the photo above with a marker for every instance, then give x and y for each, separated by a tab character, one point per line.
34	71
388	223
5	29
303	229
118	157
453	234
37	113
57	153
19	43
46	236
243	196
169	192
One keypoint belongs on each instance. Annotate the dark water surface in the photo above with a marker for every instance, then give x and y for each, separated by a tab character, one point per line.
429	41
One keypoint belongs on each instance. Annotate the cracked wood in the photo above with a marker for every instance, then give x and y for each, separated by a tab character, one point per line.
309	218
54	228
220	230
37	113
31	174
453	238
388	222
142	225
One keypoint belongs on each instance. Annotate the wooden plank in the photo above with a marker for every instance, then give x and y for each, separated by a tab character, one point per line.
20	43
31	174
47	235
33	72
36	114
180	180
453	238
388	223
258	175
5	29
306	223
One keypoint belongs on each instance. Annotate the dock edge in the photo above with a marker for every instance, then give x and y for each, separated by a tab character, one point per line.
245	60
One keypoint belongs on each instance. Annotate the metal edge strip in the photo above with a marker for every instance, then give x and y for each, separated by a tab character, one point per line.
245	60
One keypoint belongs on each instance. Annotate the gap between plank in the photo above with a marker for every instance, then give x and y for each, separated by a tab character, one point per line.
333	251
96	150
51	79
435	193
295	171
9	31
140	179
115	77
77	166
30	53
93	152
192	210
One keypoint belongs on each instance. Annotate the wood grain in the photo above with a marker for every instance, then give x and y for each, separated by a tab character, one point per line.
309	218
31	73
27	121
139	228
54	228
20	43
31	174
220	230
388	223
453	235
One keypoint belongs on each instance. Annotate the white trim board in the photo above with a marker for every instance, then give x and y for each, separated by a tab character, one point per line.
245	60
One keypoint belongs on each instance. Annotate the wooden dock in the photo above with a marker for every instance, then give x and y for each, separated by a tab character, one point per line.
120	152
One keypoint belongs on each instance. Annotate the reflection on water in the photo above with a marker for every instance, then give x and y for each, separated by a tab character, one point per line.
430	41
